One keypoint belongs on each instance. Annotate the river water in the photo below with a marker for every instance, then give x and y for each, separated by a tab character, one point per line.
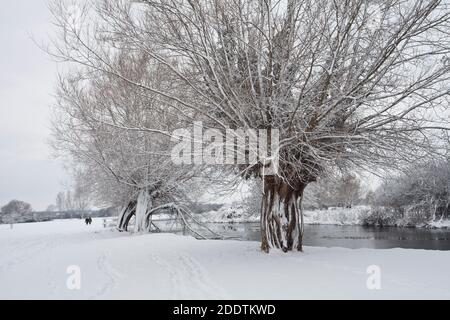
350	236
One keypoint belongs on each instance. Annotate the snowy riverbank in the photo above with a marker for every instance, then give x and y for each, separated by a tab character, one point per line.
34	259
336	216
333	216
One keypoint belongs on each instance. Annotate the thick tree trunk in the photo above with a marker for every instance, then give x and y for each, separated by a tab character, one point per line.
144	204
125	215
281	215
137	208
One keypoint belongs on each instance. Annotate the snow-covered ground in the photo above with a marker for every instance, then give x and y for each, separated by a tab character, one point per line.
34	259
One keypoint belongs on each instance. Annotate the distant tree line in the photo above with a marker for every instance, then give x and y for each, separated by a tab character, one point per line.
342	190
71	200
40	216
70	204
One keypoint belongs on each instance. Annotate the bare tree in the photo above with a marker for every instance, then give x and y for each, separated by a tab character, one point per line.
61	201
338	190
348	190
344	89
14	211
127	168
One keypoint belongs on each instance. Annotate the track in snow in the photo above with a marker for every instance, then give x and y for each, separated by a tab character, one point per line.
189	279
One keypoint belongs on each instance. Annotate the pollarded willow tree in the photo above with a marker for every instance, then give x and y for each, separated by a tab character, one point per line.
359	83
126	168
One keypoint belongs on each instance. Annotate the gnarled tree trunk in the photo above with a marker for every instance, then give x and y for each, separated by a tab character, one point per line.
125	215
144	204
137	208
281	215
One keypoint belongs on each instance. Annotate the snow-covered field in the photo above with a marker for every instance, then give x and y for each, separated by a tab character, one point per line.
34	259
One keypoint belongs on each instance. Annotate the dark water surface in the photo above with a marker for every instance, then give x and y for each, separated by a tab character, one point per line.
350	236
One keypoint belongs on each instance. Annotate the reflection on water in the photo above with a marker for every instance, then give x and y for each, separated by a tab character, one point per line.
350	236
380	238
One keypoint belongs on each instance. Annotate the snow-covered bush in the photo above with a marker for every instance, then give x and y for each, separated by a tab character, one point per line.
339	216
380	217
416	196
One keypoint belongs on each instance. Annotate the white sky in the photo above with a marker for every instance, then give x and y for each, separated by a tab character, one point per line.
27	79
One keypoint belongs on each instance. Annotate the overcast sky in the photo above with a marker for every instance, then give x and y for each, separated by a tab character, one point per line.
27	79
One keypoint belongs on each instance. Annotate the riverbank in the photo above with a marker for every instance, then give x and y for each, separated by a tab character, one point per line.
358	215
35	257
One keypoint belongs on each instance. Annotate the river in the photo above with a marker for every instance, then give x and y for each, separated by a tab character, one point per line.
350	236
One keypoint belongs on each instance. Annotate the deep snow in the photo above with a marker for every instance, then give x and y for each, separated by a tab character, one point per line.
34	259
